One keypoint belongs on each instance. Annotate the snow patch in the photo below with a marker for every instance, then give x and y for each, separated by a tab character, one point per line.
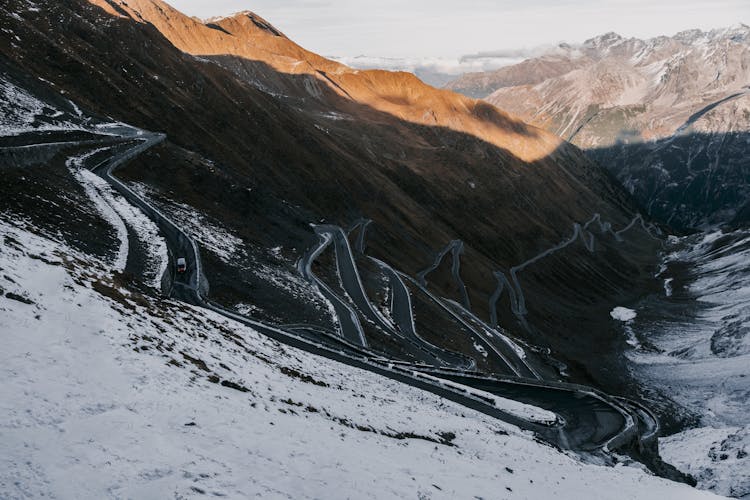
208	233
719	459
102	196
481	350
21	112
668	287
626	316
623	314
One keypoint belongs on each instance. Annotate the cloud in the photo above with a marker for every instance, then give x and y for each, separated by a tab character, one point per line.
435	71
448	66
514	54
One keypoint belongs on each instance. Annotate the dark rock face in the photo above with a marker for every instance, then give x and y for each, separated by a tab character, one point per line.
729	339
686	181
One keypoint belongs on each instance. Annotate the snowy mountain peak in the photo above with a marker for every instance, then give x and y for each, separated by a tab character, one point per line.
738	33
631	90
234	15
739	27
246	19
689	36
605	40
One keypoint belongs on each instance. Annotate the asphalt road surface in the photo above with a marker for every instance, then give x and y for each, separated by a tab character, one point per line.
589	420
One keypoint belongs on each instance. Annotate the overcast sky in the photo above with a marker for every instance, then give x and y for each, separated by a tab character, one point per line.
450	28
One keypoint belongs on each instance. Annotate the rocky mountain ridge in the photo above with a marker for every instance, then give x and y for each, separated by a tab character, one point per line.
668	115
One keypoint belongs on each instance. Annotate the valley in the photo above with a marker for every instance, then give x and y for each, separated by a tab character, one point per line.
668	117
217	218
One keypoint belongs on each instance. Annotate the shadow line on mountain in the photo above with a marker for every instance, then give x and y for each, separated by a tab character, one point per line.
266	165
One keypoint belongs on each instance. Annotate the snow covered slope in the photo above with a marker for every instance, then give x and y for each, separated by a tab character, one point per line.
716	457
22	112
111	393
694	345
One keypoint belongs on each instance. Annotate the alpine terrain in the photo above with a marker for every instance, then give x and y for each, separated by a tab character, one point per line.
668	116
232	267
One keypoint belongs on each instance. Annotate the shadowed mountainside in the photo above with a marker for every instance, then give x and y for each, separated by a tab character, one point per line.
250	47
687	180
266	152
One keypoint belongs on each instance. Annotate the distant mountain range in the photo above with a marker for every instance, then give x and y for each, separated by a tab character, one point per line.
438	71
667	115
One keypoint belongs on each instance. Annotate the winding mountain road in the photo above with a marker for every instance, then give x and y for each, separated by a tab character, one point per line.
402	313
588	420
349	326
456	248
351	282
587	416
580	232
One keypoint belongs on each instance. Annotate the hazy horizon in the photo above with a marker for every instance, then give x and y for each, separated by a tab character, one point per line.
443	29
